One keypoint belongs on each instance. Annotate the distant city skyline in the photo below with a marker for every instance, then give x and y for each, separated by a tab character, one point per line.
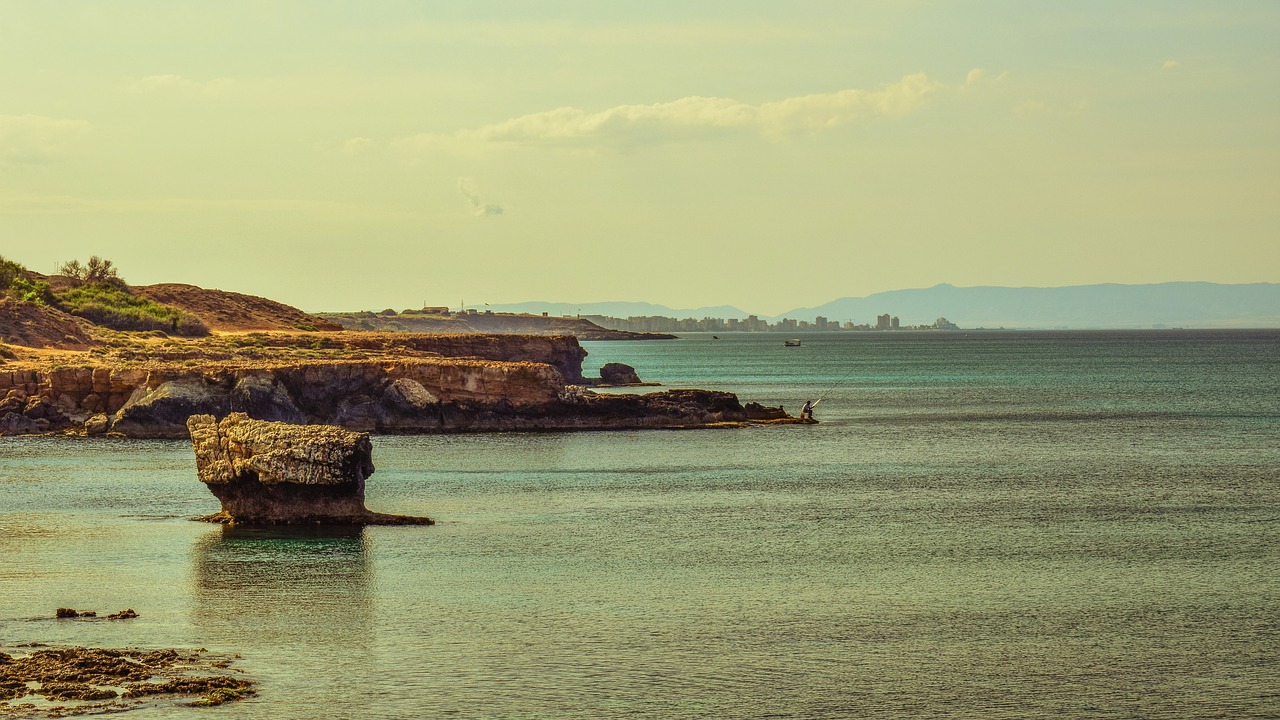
344	155
1103	305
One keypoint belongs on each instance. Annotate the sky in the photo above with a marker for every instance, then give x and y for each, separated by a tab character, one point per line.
768	155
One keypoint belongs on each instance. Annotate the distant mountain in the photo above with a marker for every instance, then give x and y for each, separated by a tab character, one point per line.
616	309
1174	304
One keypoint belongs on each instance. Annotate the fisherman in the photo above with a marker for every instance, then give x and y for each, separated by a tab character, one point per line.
806	412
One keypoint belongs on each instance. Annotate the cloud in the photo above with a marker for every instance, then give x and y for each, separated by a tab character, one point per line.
355	145
178	84
1170	65
36	139
690	119
469	190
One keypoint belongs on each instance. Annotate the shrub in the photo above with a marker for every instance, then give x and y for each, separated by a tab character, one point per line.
97	271
111	306
14	282
9	270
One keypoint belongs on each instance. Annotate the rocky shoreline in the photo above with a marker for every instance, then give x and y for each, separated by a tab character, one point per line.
43	681
385	383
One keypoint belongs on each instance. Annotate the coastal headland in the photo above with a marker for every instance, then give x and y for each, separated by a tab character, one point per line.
147	387
86	354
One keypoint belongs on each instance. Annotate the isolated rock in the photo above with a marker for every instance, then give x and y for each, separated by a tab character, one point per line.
618	374
276	473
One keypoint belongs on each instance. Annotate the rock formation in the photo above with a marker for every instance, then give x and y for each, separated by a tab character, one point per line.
103	680
618	374
399	384
276	473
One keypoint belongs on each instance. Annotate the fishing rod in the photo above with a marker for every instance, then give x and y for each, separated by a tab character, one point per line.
834	385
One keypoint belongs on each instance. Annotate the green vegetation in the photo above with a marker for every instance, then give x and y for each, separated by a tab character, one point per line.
15	283
112	306
102	297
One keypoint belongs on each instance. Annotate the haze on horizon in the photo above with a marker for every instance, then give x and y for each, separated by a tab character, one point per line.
345	156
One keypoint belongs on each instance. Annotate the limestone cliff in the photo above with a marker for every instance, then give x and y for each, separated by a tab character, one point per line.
363	382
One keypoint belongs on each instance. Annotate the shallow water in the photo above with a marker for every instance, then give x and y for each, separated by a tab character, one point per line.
998	525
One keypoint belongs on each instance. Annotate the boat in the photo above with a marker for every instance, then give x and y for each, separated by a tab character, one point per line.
793	342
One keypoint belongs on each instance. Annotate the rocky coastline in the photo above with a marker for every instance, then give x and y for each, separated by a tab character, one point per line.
389	383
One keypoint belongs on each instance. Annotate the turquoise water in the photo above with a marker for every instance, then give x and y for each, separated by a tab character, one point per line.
999	525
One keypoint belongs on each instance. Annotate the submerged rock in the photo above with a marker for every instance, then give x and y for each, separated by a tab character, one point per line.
99	675
276	473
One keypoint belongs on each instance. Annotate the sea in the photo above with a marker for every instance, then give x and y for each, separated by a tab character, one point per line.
995	524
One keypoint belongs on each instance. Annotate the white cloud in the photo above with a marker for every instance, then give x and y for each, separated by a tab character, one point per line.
178	84
36	139
468	189
690	119
1170	65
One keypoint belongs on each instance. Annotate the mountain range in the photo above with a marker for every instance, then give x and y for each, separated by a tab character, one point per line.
1172	304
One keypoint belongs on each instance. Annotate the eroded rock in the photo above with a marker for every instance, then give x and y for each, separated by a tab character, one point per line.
162	411
618	374
14	423
96	424
277	473
261	397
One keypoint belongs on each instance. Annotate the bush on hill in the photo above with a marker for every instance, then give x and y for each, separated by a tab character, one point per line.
16	283
96	271
110	305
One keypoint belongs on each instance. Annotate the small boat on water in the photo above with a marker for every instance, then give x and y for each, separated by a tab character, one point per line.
793	342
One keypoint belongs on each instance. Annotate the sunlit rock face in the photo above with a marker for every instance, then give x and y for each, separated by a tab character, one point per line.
277	473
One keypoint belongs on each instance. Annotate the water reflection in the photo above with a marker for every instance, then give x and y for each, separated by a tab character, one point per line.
303	594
